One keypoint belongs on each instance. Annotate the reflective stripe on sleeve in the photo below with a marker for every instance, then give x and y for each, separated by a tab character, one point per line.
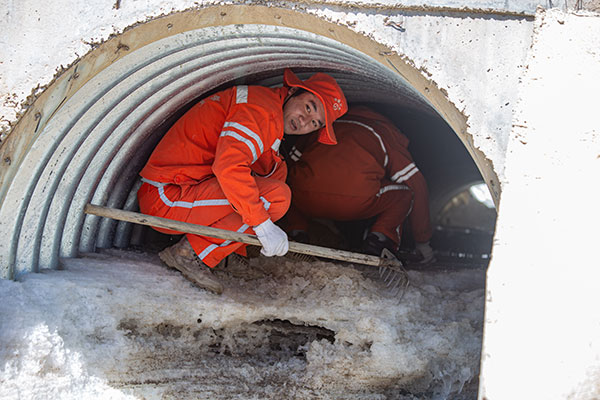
405	174
238	133
276	145
247	142
241	94
248	132
385	160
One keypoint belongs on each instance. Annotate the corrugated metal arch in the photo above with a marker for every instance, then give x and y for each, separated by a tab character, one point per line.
93	129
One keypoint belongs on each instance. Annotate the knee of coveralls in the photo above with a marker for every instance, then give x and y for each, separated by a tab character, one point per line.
275	196
150	202
201	204
394	203
205	204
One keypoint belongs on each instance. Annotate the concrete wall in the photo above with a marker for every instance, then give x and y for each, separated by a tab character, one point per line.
474	56
523	80
542	328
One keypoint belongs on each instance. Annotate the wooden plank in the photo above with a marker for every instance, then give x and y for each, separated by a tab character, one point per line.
318	251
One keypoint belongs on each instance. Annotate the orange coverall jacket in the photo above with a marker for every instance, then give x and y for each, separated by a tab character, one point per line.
220	158
368	173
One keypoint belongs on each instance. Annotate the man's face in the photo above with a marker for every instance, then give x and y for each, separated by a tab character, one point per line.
303	114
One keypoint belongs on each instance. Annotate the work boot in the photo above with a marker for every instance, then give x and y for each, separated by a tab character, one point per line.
183	258
376	242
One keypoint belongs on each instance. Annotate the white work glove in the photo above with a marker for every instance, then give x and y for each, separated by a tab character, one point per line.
273	239
425	250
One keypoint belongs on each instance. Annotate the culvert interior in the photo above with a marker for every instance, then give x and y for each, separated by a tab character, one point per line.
92	148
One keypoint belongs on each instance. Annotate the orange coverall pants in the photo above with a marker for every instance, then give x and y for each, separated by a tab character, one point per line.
390	207
205	204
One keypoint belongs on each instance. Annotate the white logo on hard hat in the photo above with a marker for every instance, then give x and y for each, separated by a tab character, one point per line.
337	104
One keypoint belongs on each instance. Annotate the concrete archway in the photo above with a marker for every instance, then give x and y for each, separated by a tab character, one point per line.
89	133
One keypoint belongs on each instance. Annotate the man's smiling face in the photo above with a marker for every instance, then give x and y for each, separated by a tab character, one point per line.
303	114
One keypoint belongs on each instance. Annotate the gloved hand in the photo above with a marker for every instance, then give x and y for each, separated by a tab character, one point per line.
273	239
425	250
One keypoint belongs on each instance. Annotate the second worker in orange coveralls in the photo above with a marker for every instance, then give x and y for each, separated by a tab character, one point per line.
368	174
219	165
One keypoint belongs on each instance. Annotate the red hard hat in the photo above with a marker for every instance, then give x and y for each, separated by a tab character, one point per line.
327	90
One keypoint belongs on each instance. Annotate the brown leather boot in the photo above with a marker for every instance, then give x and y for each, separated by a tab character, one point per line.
183	258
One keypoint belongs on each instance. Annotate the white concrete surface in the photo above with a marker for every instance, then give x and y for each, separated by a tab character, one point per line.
542	333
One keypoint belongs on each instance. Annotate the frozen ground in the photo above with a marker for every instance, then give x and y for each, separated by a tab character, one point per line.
119	325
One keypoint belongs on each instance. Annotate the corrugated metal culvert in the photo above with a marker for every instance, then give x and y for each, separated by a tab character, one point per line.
88	137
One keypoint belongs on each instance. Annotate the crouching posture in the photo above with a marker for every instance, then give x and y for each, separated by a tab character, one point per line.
368	174
219	165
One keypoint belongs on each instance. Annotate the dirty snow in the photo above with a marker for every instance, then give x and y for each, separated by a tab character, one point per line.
120	325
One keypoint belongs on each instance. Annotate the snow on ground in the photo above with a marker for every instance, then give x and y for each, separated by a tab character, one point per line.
119	325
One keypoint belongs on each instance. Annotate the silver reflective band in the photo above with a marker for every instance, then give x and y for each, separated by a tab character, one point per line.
190	204
247	131
243	140
405	174
391	187
209	249
276	145
155	184
385	161
241	96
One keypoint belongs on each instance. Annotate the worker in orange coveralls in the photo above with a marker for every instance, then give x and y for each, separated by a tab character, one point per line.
369	173
219	165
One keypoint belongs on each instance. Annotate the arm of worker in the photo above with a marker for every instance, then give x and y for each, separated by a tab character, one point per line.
246	134
242	141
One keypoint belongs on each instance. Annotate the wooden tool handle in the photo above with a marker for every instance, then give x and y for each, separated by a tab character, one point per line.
318	251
